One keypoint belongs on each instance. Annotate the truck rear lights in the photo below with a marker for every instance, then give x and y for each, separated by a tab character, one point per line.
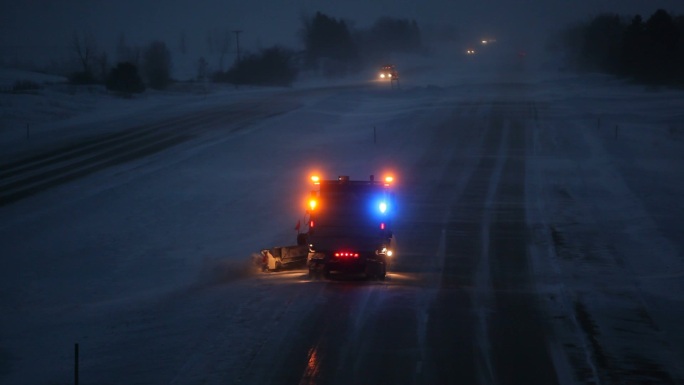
346	254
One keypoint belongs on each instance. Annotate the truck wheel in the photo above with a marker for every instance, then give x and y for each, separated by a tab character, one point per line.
314	270
369	271
376	270
318	269
382	271
372	270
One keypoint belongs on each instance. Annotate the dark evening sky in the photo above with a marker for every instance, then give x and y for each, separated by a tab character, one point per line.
38	23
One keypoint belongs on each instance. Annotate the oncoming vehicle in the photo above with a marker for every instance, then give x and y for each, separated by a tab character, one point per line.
388	72
350	227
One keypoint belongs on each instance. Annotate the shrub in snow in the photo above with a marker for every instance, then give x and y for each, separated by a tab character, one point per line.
125	79
25	85
82	77
272	66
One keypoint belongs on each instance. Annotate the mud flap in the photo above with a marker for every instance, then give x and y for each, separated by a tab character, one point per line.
376	269
317	266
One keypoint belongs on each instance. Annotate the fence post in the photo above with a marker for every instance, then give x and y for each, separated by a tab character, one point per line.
76	363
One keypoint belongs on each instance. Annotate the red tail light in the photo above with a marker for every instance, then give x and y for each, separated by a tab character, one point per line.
346	254
311	224
382	226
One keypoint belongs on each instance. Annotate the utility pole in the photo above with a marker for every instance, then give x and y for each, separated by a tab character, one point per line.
237	40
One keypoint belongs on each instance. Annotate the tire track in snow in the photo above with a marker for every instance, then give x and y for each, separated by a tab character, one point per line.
21	179
516	326
616	338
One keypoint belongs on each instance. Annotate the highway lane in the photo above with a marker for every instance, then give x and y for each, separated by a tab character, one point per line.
464	303
460	305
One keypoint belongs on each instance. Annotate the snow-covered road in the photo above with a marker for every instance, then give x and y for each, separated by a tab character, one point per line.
538	242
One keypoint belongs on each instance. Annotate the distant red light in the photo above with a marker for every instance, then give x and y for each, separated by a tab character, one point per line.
311	224
382	226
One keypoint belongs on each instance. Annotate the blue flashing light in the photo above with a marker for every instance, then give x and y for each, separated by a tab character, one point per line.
382	207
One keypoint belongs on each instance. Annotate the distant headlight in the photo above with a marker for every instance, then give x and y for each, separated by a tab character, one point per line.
382	76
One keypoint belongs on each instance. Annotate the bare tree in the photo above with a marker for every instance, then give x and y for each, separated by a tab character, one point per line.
219	43
127	53
84	47
182	43
102	62
157	64
202	69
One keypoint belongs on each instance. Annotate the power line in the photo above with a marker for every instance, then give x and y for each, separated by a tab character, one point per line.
237	39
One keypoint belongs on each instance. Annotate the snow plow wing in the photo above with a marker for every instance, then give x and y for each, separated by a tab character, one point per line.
277	258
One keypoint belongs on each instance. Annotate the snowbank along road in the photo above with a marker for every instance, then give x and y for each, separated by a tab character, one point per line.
538	241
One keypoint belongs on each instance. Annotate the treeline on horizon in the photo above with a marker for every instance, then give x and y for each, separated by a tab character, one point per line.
647	51
331	48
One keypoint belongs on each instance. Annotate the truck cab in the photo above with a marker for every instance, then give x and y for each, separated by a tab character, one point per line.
350	226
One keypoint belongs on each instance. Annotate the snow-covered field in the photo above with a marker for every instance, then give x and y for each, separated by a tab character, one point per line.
147	264
608	197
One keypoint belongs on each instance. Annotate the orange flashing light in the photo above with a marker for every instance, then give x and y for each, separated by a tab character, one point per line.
389	180
312	204
315	179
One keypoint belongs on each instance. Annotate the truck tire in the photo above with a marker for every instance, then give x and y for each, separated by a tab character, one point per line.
382	271
317	269
376	270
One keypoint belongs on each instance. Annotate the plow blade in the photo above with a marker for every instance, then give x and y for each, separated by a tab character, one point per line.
278	258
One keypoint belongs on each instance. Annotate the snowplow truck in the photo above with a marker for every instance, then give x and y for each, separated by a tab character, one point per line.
350	227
